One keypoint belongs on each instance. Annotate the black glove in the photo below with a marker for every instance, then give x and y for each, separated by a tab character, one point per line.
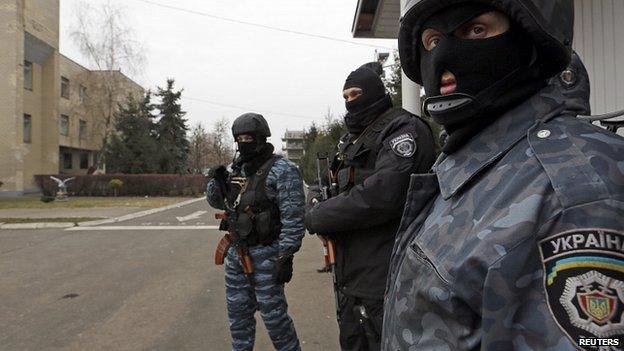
219	173
284	269
314	194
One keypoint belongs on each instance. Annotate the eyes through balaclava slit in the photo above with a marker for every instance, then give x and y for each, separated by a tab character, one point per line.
493	74
374	100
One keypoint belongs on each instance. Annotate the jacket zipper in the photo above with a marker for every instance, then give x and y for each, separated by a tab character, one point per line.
421	255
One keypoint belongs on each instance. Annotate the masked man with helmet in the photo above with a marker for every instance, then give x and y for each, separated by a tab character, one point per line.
519	245
383	146
263	196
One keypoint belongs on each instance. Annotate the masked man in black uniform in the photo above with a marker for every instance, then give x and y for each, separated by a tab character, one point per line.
372	168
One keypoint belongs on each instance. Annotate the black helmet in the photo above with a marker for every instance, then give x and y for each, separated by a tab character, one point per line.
251	123
549	22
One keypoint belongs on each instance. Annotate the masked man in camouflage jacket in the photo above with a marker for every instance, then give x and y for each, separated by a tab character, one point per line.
264	192
520	246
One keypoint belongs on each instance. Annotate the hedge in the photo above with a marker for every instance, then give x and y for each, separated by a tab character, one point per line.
133	184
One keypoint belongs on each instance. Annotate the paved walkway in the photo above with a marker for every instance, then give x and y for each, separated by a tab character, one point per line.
114	287
101	212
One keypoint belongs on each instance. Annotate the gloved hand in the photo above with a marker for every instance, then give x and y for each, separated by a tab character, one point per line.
219	173
284	269
314	194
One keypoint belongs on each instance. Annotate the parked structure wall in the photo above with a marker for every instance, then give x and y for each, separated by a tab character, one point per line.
30	139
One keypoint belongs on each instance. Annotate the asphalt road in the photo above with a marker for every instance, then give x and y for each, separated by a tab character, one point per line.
140	289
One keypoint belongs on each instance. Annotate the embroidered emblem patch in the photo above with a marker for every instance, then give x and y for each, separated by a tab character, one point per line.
403	145
584	282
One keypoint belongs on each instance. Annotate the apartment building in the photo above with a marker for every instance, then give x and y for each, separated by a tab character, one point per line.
50	106
293	145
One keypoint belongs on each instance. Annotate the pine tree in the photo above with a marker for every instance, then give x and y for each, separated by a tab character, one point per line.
171	129
116	155
321	140
146	109
132	148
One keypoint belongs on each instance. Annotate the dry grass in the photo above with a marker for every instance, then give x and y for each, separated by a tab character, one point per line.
47	220
89	202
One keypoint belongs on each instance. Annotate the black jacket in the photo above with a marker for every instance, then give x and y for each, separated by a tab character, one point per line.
364	217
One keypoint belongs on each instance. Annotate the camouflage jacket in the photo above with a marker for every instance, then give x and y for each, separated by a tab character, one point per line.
283	185
520	243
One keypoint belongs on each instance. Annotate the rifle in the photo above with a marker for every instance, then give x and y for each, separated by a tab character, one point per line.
228	222
229	239
329	247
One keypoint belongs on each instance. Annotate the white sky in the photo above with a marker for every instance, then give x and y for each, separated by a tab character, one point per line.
257	69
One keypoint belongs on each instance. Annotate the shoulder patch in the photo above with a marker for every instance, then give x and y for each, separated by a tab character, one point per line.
584	284
403	145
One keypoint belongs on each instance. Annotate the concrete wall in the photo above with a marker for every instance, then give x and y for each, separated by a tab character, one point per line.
32	152
50	86
42	20
93	111
29	30
11	37
77	110
19	160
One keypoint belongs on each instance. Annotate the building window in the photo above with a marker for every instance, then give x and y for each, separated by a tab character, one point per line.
82	93
82	129
64	125
65	87
27	128
84	160
28	75
67	160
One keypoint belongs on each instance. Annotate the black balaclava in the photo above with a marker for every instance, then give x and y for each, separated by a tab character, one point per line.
250	150
374	100
253	154
492	74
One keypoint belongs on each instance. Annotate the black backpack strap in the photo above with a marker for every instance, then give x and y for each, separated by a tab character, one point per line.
262	174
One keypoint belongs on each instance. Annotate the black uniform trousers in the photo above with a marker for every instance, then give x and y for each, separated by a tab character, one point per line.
357	333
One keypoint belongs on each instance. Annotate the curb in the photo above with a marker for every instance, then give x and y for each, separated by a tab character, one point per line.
139	214
42	225
140	227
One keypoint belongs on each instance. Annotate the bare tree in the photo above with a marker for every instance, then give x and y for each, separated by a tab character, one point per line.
105	39
222	142
200	149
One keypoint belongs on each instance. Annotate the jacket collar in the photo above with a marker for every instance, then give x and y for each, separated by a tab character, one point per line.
456	170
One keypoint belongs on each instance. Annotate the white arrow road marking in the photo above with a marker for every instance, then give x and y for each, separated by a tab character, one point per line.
193	215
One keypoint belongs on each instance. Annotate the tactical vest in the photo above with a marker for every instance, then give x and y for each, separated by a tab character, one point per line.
356	159
257	217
